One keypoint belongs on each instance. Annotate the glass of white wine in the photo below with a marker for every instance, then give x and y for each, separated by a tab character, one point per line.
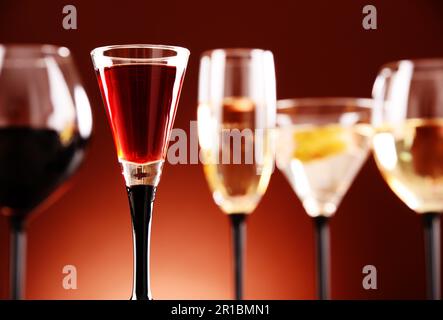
236	117
408	146
322	144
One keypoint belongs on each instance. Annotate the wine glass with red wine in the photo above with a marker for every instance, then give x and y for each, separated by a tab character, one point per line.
45	124
140	86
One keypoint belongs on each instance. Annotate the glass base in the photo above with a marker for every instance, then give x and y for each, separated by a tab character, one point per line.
141	173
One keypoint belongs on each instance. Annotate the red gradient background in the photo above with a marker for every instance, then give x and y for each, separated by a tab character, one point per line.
320	49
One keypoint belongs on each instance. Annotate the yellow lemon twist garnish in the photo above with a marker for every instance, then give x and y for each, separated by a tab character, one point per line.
313	144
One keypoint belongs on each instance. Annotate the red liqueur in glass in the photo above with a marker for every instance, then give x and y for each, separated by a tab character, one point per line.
141	102
140	86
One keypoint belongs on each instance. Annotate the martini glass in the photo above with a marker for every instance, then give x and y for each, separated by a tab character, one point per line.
45	124
322	144
236	114
140	86
408	146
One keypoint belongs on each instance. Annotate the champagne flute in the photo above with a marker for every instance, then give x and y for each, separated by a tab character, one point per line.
45	123
408	146
237	104
322	144
141	85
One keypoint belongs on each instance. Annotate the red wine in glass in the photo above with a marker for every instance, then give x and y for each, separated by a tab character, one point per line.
36	162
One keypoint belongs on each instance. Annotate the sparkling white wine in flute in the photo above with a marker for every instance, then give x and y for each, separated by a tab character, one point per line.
141	85
408	146
236	114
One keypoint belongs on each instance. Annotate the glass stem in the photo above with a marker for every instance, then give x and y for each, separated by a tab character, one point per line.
238	227
17	258
431	225
141	200
322	256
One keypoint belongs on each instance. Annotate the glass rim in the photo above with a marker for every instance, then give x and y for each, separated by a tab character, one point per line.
36	48
232	52
100	51
419	63
285	104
